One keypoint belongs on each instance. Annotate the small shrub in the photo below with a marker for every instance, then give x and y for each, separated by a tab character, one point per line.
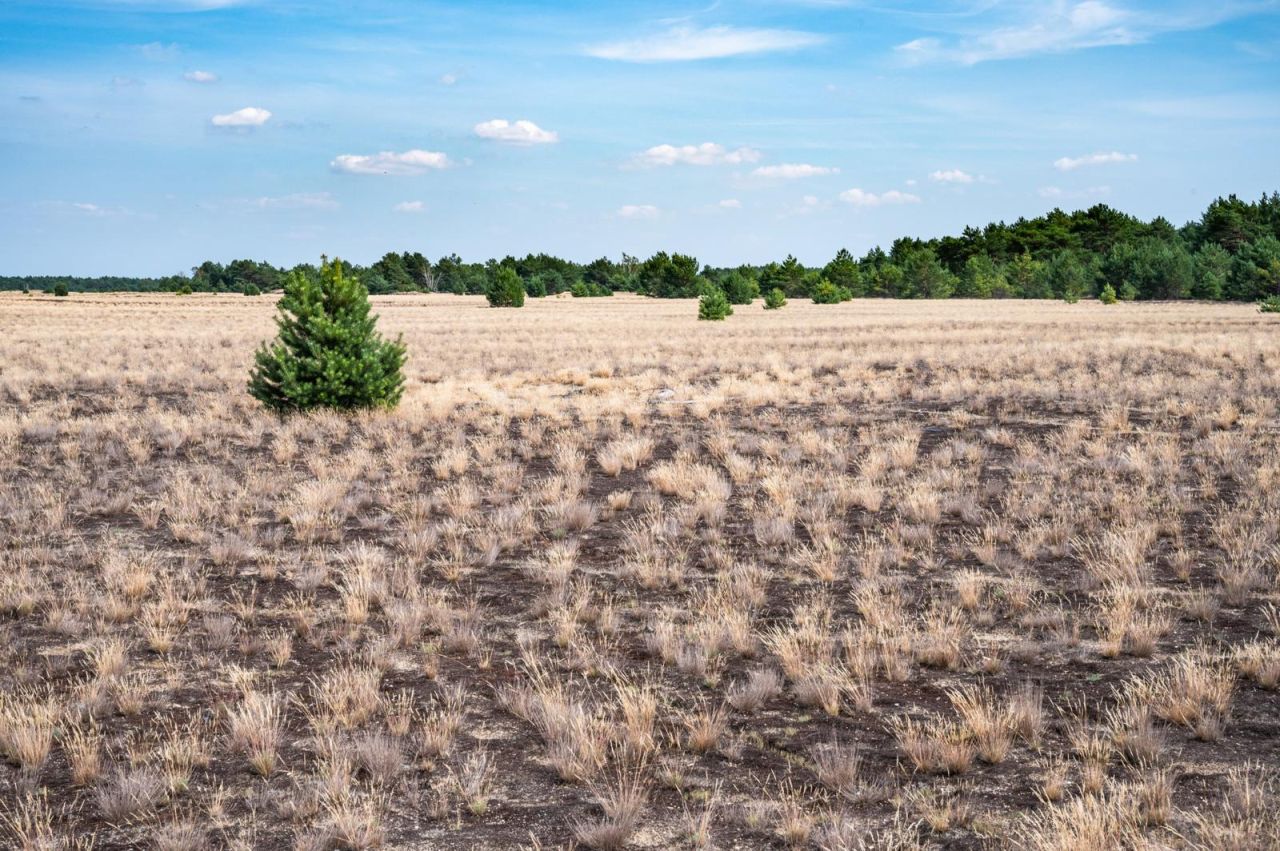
1270	304
505	289
536	287
828	293
714	305
774	299
327	353
740	288
1108	295
185	289
60	289
251	289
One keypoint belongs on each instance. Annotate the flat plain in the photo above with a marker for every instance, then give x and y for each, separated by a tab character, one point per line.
885	574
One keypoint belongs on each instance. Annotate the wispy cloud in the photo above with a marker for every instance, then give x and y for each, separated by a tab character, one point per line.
85	208
731	204
200	77
1073	163
410	207
157	51
791	171
1221	106
809	204
520	132
250	116
390	162
297	201
638	211
708	153
862	198
177	5
1055	26
685	43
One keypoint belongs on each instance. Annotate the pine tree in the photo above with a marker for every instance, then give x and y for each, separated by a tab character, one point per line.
327	353
774	299
714	305
505	289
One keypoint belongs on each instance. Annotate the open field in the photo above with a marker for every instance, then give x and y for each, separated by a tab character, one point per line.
887	574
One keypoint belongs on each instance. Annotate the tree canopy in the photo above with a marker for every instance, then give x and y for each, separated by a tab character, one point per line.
1231	252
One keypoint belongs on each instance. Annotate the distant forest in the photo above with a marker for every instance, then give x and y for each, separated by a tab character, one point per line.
1231	253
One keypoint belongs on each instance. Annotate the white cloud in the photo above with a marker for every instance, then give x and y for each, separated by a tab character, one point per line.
1054	192
861	198
390	162
250	116
520	132
954	175
200	77
731	204
178	5
683	43
410	207
1072	163
1059	26
808	206
448	79
708	153
638	211
789	171
298	201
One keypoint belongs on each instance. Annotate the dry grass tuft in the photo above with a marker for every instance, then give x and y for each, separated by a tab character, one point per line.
842	577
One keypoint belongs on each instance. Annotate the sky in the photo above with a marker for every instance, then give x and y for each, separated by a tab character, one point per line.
141	137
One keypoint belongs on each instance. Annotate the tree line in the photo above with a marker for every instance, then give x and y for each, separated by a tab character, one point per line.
1232	252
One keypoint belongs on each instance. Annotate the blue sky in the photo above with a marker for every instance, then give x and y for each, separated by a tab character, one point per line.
143	136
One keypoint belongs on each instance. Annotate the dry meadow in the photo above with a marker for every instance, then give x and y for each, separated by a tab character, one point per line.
882	575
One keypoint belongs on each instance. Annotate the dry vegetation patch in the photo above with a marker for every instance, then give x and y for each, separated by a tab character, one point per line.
881	575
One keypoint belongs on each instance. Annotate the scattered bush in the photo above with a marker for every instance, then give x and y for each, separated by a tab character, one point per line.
185	289
714	305
60	289
828	293
589	289
251	289
1108	295
505	289
740	288
327	353
774	299
536	286
1270	304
